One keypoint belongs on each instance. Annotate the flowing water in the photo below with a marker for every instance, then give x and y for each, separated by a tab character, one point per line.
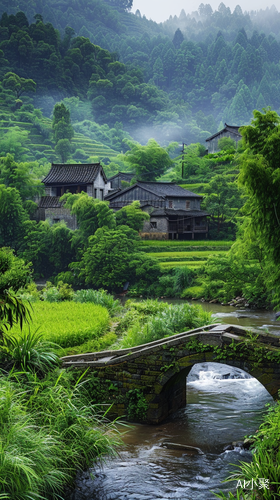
223	405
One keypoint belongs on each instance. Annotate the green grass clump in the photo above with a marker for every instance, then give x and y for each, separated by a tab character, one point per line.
68	323
265	462
169	320
195	292
98	297
30	457
49	429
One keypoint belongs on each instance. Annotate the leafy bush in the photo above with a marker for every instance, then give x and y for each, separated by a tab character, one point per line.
58	293
195	292
99	297
30	293
137	405
171	319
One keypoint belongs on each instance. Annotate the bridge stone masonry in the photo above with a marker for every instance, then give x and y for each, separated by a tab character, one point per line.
159	369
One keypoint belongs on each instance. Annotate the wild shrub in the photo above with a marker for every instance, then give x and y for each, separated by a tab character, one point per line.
170	320
62	291
30	293
99	297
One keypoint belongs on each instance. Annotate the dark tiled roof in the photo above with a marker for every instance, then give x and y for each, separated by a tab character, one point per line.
111	192
123	175
50	202
162	189
73	173
168	189
228	128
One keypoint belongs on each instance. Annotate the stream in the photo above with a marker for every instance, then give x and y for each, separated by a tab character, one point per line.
223	405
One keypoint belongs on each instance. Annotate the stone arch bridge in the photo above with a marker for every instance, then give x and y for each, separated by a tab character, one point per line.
159	369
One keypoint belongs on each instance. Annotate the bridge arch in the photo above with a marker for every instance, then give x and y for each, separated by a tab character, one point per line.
173	394
159	369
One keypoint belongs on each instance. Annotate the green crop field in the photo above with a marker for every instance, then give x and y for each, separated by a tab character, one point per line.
191	264
188	243
69	324
192	255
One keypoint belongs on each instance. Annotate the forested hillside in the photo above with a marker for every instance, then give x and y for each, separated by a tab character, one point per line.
179	80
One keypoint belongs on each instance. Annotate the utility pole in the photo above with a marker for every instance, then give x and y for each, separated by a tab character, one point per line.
183	157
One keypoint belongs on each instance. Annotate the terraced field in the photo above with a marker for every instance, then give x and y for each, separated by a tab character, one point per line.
184	253
40	147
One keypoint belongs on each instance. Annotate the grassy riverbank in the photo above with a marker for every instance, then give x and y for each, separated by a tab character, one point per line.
262	475
51	423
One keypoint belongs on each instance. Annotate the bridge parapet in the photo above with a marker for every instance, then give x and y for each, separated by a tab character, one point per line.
159	369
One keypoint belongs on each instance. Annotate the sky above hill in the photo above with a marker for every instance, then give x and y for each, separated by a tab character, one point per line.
160	10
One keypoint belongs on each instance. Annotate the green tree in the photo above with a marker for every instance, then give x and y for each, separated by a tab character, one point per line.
91	213
260	174
150	161
178	38
12	217
14	141
111	260
61	123
19	176
18	85
63	149
221	196
14	274
132	216
50	248
226	143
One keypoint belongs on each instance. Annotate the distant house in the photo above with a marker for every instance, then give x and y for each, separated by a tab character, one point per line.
228	131
116	180
73	178
174	212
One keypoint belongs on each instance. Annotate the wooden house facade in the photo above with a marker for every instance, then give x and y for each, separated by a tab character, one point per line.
73	178
174	212
230	131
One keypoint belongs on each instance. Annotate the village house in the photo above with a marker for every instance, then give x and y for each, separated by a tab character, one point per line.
228	131
174	212
119	178
73	178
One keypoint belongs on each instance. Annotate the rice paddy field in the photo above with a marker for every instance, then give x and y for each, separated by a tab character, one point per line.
75	327
194	254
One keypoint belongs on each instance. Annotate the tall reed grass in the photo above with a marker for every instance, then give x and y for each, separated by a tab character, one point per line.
48	430
168	320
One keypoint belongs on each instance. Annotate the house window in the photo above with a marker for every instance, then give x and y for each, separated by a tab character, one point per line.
101	194
55	221
153	225
95	193
188	205
170	204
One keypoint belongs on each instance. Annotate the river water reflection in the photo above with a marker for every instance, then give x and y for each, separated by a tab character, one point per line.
223	404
